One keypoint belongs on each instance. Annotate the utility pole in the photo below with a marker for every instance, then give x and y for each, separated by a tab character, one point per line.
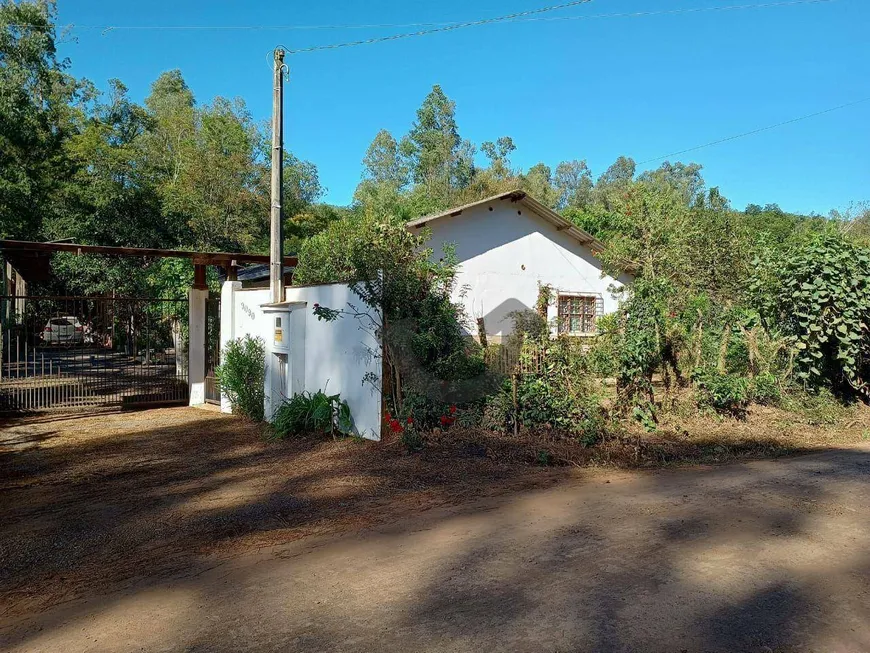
276	235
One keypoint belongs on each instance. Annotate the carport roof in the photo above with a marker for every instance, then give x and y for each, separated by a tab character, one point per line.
31	258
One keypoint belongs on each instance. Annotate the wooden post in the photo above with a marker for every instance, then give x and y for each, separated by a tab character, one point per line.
516	410
276	235
199	281
481	333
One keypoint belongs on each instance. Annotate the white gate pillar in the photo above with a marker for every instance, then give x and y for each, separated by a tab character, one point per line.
196	340
228	327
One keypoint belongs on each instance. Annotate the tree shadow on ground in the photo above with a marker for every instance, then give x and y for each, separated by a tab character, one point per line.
719	559
95	505
732	560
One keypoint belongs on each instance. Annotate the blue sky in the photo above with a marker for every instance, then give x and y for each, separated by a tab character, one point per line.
589	89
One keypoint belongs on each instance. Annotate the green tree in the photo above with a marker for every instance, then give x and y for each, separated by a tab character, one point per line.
38	113
573	181
499	154
538	182
613	183
385	175
439	160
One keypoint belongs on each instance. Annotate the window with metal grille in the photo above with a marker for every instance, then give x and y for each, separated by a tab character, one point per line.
577	314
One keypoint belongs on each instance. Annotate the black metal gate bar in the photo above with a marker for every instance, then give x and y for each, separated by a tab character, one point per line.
69	352
212	349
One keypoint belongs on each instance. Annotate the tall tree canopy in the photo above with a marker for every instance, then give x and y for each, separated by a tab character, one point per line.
39	110
100	169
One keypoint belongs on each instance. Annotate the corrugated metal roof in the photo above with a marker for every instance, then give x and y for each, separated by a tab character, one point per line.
520	197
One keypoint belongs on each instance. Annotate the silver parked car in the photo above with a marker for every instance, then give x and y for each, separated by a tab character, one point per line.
66	330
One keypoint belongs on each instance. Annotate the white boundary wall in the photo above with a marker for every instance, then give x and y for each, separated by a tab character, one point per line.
336	357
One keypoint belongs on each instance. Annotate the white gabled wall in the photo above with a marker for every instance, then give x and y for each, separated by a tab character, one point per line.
505	253
337	357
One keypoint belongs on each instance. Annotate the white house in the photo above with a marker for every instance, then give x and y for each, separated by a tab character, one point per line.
511	244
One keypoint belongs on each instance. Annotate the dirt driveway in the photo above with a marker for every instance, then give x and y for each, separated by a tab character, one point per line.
760	556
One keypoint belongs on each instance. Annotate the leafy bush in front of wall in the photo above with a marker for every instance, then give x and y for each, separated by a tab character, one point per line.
312	413
604	349
542	403
241	375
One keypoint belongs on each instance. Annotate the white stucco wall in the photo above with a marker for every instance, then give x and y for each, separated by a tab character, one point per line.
504	254
336	357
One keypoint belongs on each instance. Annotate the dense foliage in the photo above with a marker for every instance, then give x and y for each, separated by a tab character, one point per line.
241	375
822	302
308	413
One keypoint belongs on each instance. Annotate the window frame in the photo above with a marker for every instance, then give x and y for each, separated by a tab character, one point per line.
564	328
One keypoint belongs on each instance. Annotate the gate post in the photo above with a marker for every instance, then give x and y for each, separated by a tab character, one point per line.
196	343
228	326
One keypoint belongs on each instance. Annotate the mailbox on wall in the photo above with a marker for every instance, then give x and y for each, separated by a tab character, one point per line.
285	357
281	332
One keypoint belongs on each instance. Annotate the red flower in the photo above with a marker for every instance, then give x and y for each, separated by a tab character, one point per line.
387	416
453	410
446	421
410	420
395	427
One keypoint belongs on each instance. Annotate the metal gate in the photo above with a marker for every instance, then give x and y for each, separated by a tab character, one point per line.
212	349
68	352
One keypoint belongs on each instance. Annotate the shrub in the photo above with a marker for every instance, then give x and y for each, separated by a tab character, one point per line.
406	299
423	410
594	427
312	413
764	389
541	403
412	437
470	416
409	431
601	359
241	375
544	458
822	302
643	317
725	393
497	413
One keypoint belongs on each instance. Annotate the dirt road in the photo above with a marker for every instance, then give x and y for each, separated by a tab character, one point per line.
760	556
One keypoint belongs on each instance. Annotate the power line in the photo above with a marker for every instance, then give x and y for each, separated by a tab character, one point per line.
440	27
690	10
755	131
517	18
446	28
